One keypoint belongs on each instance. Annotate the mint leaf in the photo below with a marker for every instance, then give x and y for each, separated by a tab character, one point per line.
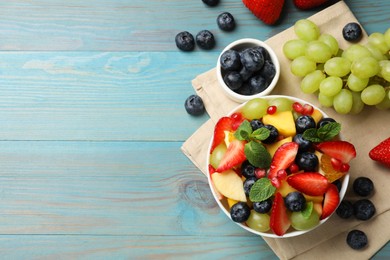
244	131
306	213
260	134
261	190
329	131
311	135
257	155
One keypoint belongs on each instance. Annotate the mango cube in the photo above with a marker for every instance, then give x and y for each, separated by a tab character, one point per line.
283	121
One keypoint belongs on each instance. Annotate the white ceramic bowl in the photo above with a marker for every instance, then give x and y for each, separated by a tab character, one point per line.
241	45
223	203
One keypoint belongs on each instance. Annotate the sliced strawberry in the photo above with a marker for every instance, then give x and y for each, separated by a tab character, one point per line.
331	201
234	156
381	152
283	158
279	221
266	10
310	183
341	150
223	124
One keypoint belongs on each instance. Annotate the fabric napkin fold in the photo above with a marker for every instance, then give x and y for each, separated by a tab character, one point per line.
364	130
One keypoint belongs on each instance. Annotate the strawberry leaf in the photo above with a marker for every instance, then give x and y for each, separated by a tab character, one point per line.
257	155
261	190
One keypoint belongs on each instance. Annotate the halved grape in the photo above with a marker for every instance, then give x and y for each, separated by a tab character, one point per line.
282	104
255	108
299	222
217	154
337	66
311	82
294	48
342	102
306	30
331	86
258	221
373	94
302	66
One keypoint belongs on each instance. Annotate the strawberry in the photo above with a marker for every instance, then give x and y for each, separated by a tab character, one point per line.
266	10
310	183
283	158
341	150
308	4
279	221
223	124
381	152
331	201
234	156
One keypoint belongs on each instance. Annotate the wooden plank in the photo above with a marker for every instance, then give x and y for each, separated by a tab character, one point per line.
137	25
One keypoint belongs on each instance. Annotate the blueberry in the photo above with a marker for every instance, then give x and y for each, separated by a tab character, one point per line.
325	121
363	186
245	73
248	170
338	184
244	90
226	22
303	123
295	201
230	60
345	209
263	51
233	80
240	212
194	105
256	124
268	71
352	32
307	161
185	41
263	206
252	59
248	183
363	209
205	40
273	134
357	239
304	145
258	84
211	2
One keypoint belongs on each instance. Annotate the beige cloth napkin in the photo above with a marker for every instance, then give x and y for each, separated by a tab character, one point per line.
364	130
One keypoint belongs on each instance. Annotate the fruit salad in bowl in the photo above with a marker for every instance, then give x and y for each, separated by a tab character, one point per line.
277	166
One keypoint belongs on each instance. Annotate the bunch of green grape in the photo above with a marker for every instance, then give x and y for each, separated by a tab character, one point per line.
346	80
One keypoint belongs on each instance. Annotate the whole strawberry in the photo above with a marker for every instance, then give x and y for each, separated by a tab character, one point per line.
381	153
308	4
266	10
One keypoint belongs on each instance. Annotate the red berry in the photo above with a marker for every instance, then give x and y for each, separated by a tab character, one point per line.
294	168
344	167
307	109
260	173
336	164
297	107
237	119
271	110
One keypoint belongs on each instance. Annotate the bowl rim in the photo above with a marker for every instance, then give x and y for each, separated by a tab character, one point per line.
243	98
294	233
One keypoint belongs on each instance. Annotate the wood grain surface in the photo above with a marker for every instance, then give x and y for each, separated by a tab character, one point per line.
92	120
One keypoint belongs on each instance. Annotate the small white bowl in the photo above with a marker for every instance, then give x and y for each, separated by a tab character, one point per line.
223	203
241	45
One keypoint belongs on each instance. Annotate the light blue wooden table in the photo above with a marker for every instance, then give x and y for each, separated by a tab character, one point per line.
92	121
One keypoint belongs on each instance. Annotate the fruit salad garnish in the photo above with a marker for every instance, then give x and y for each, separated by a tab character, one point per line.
278	169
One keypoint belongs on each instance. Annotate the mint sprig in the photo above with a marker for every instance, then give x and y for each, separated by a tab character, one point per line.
261	190
245	132
257	155
324	133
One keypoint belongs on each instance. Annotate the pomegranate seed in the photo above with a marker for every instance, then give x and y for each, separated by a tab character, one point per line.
275	182
271	110
260	173
294	168
297	107
237	120
344	167
336	164
307	109
281	174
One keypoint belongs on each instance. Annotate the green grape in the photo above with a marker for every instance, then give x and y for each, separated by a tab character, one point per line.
338	67
318	51
302	66
387	37
299	222
385	103
365	68
373	94
255	108
306	30
378	40
375	52
258	221
357	105
356	52
325	100
342	102
282	104
385	69
331	86
331	42
294	48
217	154
311	82
356	84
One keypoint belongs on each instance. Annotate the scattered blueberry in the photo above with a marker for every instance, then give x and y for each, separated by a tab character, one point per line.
226	22
248	170
307	161
304	145
295	201
263	206
252	59
185	41
211	2
248	183
352	32
303	123
363	186
256	124
357	239
233	80
194	105
324	121
230	60
205	40
345	209
363	209
273	134
258	84
240	212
